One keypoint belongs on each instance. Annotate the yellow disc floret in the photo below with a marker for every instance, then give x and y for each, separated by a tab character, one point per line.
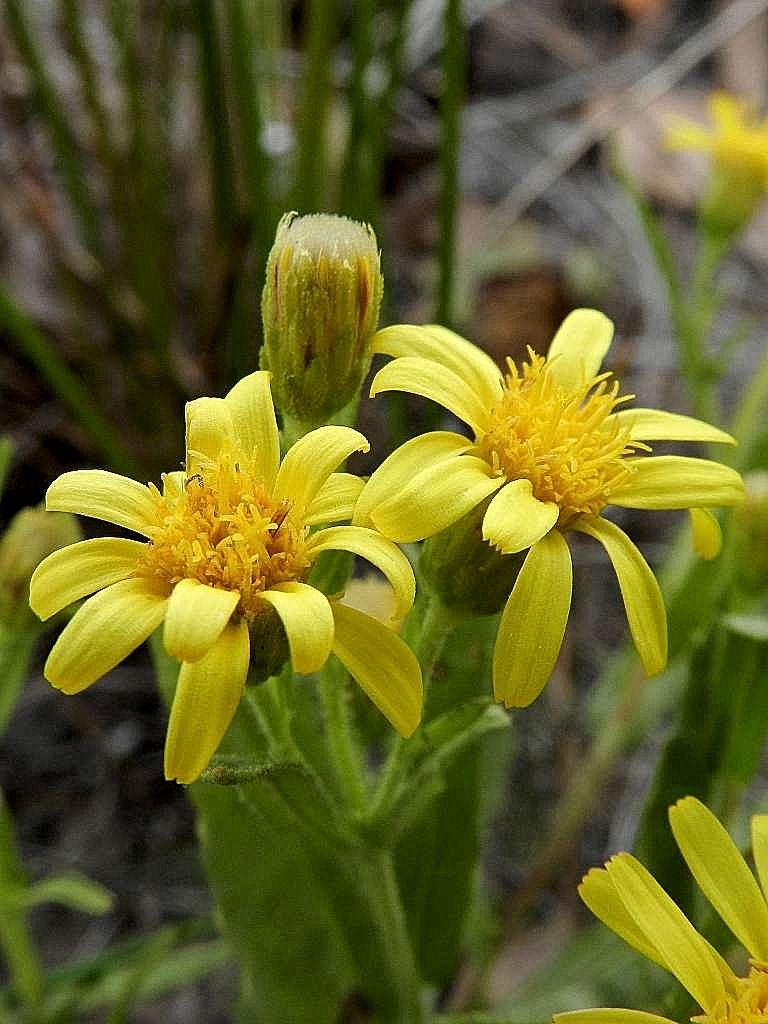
747	1005
221	527
560	439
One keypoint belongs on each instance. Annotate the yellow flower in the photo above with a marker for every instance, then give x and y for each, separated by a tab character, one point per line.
228	540
626	897
553	451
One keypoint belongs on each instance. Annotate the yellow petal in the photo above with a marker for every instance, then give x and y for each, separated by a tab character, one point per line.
103	631
102	495
726	110
707	535
685	952
760	848
206	698
382	665
442	346
195	618
684	134
310	462
209	429
643	603
721	873
533	623
434	498
335	500
675	481
431	380
599	893
308	623
658	425
174	483
379	552
609	1015
515	520
579	347
81	569
253	416
399	468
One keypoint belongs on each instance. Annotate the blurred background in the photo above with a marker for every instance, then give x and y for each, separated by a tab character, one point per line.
147	150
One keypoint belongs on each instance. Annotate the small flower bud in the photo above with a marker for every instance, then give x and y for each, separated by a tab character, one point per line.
32	534
320	309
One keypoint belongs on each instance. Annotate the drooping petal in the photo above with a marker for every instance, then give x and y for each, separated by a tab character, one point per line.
707	535
80	569
675	481
533	623
435	498
515	520
658	425
640	591
310	462
306	617
721	873
601	896
442	346
379	552
399	469
685	952
760	848
382	665
207	694
609	1015
103	631
335	500
103	495
253	415
579	347
209	429
195	618
431	380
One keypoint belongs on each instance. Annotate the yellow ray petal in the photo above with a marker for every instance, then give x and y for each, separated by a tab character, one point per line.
515	520
209	429
81	569
434	498
174	483
335	500
442	346
675	481
579	347
707	535
379	552
760	848
253	416
684	134
206	698
643	603
310	462
399	468
658	425
308	623
102	632
599	893
685	952
431	380
609	1015
102	495
382	665
721	873
195	618
533	623
727	111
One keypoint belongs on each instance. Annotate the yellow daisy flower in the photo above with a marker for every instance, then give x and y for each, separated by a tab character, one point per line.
226	540
551	448
737	141
626	897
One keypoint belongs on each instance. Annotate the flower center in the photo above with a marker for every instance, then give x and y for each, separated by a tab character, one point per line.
747	1005
221	527
562	440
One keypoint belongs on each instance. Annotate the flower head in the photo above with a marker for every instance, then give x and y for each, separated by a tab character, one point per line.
626	897
228	542
552	447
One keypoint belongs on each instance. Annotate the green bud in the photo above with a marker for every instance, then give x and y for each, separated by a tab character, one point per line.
320	310
269	646
730	202
466	572
32	535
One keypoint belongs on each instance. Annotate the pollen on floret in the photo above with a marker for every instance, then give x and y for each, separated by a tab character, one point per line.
221	526
560	439
746	1005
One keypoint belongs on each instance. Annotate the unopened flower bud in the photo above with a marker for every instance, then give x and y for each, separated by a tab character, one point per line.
32	534
320	309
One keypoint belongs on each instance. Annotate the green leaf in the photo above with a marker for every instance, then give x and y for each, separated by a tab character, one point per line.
71	890
754	627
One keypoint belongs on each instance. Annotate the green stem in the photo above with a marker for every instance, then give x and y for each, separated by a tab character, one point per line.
271	704
342	740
